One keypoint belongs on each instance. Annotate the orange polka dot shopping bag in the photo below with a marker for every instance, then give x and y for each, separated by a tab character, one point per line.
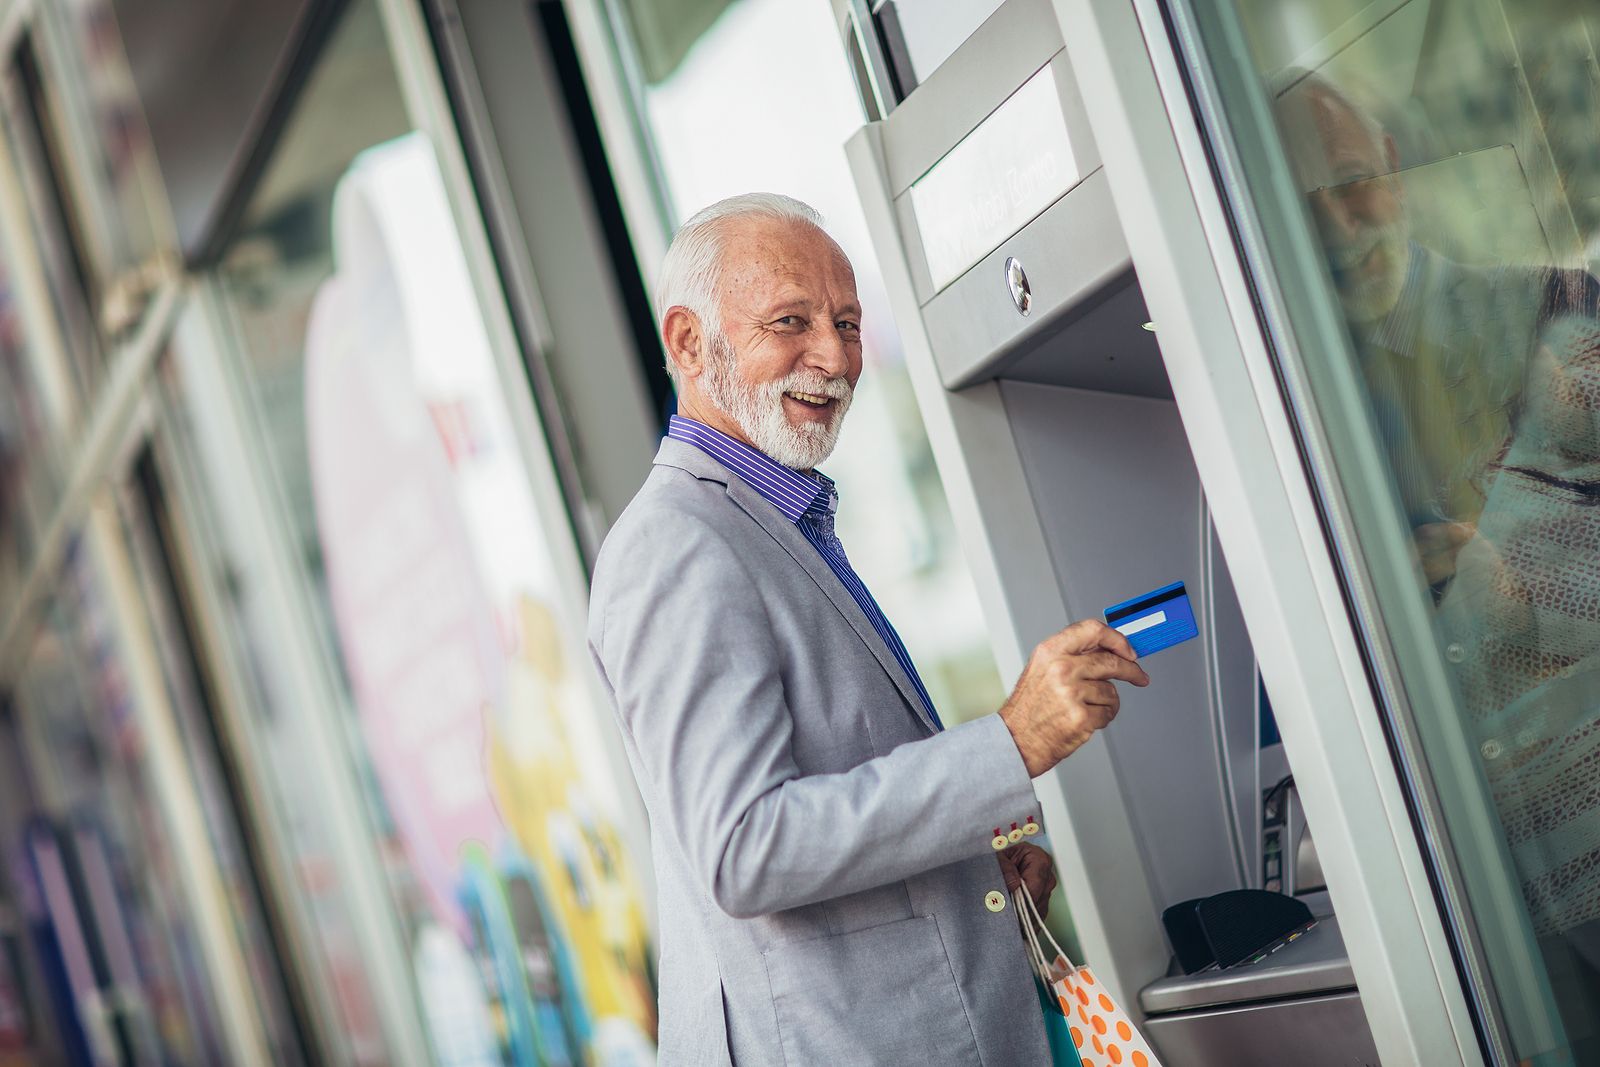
1102	1033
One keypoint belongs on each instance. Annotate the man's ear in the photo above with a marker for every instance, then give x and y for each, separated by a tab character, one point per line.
685	341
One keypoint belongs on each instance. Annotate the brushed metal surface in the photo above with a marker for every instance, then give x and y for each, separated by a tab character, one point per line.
1316	963
951	102
1326	1031
910	153
1074	253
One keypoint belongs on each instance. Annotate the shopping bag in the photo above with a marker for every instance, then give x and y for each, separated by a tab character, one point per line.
1101	1031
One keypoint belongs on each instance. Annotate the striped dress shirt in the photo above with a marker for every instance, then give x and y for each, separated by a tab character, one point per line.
809	501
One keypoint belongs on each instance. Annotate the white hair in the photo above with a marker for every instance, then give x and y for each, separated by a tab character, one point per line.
691	273
1302	134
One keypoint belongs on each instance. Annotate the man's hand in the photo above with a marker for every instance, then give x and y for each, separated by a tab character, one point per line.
1438	544
1066	693
1030	866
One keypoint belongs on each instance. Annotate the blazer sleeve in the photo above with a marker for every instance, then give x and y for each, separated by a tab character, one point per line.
691	659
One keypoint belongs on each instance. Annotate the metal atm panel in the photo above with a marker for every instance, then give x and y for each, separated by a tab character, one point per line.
1060	387
1319	1031
1166	742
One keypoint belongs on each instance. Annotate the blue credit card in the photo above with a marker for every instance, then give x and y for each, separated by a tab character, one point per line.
1155	620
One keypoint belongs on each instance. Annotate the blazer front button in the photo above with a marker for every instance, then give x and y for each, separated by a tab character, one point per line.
995	901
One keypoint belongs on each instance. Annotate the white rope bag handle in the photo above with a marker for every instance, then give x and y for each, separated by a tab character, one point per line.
1032	924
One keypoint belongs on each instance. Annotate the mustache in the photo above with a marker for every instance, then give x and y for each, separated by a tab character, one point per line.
800	382
1346	254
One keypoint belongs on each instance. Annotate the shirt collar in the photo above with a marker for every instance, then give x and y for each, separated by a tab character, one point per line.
786	489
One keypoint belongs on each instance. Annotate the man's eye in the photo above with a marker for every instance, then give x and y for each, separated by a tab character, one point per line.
788	320
849	327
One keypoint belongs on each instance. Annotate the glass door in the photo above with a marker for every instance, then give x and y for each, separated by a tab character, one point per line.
213	758
386	526
1416	185
99	872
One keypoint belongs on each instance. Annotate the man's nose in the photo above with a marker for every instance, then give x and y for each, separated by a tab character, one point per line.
830	354
1339	216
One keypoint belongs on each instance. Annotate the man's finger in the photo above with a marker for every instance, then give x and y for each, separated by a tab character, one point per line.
1038	873
1113	641
1047	864
1104	666
1099	694
1088	635
1010	870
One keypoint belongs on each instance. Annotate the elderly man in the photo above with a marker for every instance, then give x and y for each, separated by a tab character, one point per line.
825	849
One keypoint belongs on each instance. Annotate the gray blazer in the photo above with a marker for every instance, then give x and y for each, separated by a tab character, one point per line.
823	855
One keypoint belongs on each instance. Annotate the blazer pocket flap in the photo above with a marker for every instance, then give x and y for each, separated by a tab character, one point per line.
883	995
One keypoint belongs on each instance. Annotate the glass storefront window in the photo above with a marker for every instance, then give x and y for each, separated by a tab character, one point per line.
152	555
54	241
276	738
1427	180
30	474
89	172
130	218
98	868
379	412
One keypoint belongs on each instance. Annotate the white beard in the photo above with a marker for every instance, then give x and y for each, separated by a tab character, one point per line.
758	409
1370	297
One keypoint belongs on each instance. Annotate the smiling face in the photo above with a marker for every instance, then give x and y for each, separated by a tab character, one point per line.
781	373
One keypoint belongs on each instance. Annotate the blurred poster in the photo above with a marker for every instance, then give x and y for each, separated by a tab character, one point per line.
480	730
415	624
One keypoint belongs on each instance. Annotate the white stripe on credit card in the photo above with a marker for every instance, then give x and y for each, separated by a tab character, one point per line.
1128	629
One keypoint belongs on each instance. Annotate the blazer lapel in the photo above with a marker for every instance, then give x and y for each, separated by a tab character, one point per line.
788	535
687	457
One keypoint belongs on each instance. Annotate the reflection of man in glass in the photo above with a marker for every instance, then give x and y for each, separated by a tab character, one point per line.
1485	384
1442	346
1360	206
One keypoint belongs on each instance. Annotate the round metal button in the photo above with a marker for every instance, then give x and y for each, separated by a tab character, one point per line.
1455	653
1017	282
995	901
1491	749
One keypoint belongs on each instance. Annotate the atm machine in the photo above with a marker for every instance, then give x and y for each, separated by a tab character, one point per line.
1040	374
